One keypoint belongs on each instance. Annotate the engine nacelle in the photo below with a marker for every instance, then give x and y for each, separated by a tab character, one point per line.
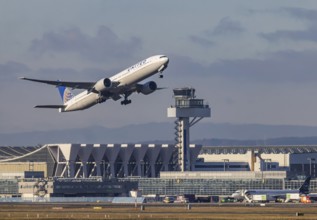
148	88
103	84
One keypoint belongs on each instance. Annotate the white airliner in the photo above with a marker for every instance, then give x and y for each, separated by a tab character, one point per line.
271	194
120	85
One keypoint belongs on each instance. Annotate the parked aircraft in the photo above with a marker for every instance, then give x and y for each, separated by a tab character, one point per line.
121	85
270	194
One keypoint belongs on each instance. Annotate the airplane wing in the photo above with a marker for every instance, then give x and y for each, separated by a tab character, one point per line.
74	85
49	106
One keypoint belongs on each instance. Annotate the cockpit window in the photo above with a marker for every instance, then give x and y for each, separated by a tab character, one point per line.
162	56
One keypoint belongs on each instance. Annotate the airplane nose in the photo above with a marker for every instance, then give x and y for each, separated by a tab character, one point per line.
165	60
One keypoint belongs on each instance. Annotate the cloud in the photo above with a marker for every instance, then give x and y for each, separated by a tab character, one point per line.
227	26
201	41
182	66
12	70
309	34
105	45
87	74
294	12
307	14
285	66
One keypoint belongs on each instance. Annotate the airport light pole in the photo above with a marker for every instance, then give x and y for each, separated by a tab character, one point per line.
310	161
224	163
104	169
313	168
165	187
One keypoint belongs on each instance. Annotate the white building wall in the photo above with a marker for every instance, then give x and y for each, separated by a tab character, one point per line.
283	160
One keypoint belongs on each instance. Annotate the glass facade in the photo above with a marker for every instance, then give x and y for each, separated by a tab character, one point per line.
191	103
147	186
9	186
214	186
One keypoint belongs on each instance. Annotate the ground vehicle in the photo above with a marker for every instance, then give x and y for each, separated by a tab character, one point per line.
181	199
305	199
169	199
259	198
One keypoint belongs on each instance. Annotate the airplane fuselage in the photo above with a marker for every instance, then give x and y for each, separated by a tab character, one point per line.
81	101
124	79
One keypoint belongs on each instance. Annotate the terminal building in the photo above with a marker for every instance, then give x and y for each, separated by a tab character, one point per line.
64	169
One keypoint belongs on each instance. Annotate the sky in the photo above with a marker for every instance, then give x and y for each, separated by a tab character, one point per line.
252	61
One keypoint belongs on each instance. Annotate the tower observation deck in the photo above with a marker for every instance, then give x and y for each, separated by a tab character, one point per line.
186	107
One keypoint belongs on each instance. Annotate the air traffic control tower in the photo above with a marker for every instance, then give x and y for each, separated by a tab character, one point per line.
186	107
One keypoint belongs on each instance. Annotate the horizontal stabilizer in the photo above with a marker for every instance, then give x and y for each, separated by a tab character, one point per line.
49	106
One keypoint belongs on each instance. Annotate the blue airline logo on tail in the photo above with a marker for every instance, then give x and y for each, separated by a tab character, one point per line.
65	93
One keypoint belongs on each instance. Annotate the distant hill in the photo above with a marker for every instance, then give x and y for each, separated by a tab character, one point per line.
205	133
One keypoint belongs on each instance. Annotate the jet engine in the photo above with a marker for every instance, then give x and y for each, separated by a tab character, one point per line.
147	88
103	84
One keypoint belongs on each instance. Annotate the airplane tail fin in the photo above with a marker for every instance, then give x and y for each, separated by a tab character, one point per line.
65	93
304	189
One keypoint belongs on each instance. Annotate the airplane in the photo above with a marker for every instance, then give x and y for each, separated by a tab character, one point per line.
121	85
271	194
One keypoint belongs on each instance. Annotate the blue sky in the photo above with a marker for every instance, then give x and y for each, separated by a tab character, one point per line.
252	61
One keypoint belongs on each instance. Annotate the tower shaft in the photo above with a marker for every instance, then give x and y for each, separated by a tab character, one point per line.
183	144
